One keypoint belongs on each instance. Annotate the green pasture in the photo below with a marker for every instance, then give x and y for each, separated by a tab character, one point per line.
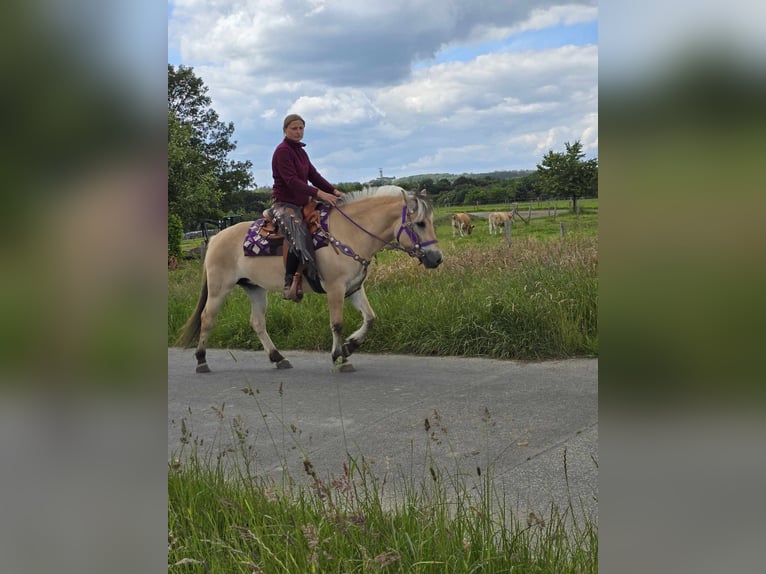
561	205
533	299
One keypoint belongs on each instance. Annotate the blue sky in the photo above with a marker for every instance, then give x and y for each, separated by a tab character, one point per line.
473	87
555	37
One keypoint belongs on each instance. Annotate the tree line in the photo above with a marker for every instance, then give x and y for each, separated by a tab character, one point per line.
204	184
559	175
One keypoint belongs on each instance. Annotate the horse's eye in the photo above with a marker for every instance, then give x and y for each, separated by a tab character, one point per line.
421	224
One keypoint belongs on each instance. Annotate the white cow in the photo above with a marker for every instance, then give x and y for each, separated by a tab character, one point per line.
497	220
461	222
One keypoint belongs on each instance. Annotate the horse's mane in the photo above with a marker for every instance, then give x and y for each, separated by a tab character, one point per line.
423	206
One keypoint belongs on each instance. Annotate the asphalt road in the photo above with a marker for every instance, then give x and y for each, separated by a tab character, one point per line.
532	426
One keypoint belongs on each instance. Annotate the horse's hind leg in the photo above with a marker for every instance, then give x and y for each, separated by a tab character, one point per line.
258	302
215	299
355	340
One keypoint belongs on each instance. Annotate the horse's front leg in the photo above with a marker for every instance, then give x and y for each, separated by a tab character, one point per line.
335	297
355	340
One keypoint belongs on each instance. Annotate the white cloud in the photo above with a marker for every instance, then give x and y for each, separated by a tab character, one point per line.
337	108
445	155
347	67
567	14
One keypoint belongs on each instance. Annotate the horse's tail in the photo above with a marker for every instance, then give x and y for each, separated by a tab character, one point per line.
189	333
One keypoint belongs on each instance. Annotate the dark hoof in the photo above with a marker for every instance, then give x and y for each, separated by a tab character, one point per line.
343	366
349	347
203	368
284	364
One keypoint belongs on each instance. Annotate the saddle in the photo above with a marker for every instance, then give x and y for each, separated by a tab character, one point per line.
266	238
270	228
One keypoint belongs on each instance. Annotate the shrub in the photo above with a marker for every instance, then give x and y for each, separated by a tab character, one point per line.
175	235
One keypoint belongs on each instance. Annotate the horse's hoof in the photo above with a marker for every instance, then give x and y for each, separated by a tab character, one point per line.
284	364
346	368
349	347
203	368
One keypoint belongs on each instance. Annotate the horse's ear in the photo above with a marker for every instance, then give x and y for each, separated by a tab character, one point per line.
409	200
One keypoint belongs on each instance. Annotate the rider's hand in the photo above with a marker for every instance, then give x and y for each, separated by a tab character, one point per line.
327	197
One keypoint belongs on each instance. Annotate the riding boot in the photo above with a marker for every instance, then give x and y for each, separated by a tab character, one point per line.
292	277
294	292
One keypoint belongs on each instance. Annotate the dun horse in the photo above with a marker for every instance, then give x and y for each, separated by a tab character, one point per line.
360	226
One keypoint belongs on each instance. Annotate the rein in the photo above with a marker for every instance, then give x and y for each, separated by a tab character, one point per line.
406	226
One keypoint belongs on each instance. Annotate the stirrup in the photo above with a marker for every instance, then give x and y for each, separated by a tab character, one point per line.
294	292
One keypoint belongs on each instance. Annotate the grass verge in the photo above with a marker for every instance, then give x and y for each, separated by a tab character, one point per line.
224	517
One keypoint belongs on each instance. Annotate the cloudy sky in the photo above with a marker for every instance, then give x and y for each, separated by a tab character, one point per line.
406	86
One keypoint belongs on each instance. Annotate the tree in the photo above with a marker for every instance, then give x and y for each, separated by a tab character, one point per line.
527	187
427	183
248	204
200	173
567	175
193	192
348	186
440	186
475	195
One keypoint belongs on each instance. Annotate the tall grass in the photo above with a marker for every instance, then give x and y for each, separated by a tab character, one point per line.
224	517
536	299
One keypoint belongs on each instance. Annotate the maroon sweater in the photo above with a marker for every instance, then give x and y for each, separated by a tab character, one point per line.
291	168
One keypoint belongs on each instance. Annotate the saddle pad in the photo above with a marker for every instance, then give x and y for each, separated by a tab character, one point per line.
256	244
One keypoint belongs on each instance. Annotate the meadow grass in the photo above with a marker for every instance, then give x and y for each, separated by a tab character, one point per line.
586	205
224	517
535	299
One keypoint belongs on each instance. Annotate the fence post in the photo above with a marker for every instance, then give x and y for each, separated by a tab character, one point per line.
508	225
561	229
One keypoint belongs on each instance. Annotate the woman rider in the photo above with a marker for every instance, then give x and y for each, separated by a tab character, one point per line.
292	169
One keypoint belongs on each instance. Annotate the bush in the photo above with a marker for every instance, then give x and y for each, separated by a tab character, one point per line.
175	235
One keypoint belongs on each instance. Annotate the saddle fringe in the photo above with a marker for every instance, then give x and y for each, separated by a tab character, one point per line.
270	227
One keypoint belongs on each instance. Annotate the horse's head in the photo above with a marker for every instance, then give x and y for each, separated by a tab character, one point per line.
416	232
406	226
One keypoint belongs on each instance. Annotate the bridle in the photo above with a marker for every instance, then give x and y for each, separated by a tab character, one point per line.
405	227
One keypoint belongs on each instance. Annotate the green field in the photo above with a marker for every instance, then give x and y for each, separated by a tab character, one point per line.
585	205
534	299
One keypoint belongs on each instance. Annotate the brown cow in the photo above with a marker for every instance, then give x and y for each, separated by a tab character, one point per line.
497	220
461	222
